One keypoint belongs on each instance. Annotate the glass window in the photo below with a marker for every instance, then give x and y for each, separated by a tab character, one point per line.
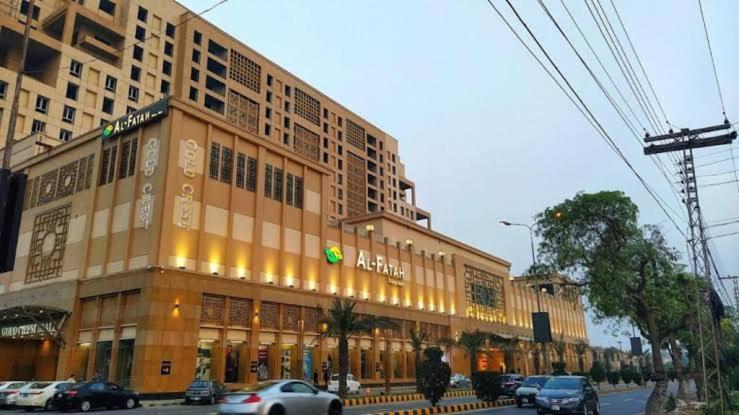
42	104
138	53
197	37
75	68
232	363
110	83
103	352
203	362
72	90
143	14
125	362
170	30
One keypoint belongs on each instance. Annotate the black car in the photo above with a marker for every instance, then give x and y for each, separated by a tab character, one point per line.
509	383
204	391
87	396
567	395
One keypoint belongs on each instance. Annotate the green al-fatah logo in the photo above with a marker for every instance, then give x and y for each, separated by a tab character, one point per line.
108	130
333	254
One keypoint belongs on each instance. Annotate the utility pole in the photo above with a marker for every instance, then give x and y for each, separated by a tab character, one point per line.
685	141
10	138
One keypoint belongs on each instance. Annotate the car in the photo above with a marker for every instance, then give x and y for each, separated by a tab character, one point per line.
509	382
39	395
526	393
280	397
352	385
91	395
204	391
9	392
567	395
459	381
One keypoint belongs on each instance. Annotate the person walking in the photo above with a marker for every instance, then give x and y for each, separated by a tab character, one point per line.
315	379
326	377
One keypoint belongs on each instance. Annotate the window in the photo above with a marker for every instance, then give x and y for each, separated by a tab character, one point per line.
214	104
143	14
269	80
341	150
167	67
251	174
75	68
340	179
298	192
194	75
268	181
138	53
339	193
341	122
325	127
140	33
240	170
68	114
193	94
215	154
65	135
340	135
164	89
325	142
277	193
170	30
107	105
133	93
286	122
196	56
130	110
325	157
24	9
325	113
168	48
107	168
108	6
217	50
136	73
268	113
227	165
288	90
287	106
103	121
267	130
197	37
128	158
269	96
38	126
42	104
110	83
289	189
286	139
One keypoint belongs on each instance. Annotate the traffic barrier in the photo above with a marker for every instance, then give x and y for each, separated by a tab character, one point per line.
446	409
371	400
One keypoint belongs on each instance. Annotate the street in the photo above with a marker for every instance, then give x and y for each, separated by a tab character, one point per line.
627	403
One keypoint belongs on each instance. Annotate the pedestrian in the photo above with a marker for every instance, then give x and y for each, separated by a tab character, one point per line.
315	379
72	378
326	377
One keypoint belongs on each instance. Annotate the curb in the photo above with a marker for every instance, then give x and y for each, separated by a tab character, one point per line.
371	400
156	404
446	409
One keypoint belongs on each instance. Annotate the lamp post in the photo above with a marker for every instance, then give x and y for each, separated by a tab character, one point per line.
536	286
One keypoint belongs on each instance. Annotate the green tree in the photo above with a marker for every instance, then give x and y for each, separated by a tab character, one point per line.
627	271
597	372
372	324
626	374
581	348
471	343
486	385
613	377
417	338
511	349
433	375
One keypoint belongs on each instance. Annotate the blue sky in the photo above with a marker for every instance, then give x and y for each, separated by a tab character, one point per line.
484	133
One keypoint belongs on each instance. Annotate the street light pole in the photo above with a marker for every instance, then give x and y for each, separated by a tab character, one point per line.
536	282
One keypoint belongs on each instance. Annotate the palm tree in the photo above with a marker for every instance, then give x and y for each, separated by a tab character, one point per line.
559	347
417	338
340	323
581	348
472	343
372	323
509	345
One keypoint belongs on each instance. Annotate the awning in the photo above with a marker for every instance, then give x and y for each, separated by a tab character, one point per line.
32	322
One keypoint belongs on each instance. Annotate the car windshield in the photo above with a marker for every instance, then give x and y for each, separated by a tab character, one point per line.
563	383
535	381
16	385
199	384
40	385
258	387
78	386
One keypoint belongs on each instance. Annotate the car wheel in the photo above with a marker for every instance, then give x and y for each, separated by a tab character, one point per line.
276	410
187	401
596	411
335	408
48	406
130	403
85	406
519	403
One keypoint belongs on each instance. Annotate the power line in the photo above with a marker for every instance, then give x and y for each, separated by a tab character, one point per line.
717	174
724	235
713	60
717	183
722	224
593	120
716	162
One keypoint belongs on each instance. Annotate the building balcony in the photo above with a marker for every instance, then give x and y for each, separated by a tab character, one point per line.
89	41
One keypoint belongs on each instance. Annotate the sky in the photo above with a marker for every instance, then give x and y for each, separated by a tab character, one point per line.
484	133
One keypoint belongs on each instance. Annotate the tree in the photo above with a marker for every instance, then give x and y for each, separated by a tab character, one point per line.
613	377
597	372
472	343
510	347
417	338
581	348
433	375
371	324
626	374
627	271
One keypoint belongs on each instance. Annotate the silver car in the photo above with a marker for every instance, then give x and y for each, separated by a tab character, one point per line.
280	397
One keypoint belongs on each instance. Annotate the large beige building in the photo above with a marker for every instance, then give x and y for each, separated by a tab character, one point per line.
201	235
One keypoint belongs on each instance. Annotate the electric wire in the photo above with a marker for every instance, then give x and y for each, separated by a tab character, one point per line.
716	162
717	183
591	118
722	224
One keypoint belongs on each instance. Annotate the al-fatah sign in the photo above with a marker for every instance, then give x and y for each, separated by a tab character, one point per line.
136	119
379	265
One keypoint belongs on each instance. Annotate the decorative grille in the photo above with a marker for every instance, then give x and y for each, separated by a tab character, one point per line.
312	319
48	187
245	71
356	185
307	107
48	240
239	313
81	171
240	170
67	178
354	134
484	295
212	309
251	174
215	157
269	315
306	143
290	317
243	112
227	165
298	192
268	180
277	194
289	188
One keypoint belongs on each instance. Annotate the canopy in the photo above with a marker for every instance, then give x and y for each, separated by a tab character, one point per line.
32	322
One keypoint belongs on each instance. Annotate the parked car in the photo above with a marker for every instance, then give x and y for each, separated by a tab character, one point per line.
9	392
509	382
567	395
286	397
526	393
352	384
459	381
91	395
39	395
205	391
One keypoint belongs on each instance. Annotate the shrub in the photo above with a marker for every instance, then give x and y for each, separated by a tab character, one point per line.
598	372
558	369
613	377
626	374
670	404
486	385
637	377
433	375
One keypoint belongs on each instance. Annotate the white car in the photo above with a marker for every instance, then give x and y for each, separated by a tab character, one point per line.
352	384
39	394
9	392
